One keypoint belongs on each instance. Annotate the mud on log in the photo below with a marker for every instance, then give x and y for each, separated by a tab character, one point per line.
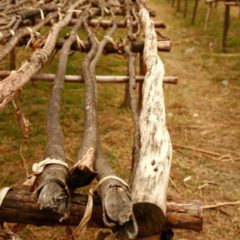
20	207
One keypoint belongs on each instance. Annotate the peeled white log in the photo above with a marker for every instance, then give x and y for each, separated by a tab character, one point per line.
151	173
100	79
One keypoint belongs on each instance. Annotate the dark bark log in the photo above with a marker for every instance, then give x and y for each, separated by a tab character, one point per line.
52	186
117	205
10	85
195	8
87	153
225	26
185	11
20	207
208	14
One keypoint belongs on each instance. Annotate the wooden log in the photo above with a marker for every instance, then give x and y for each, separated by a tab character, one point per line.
48	77
115	195
137	46
151	173
120	24
208	14
132	86
178	5
87	152
10	85
195	8
19	206
110	48
225	26
52	187
185	11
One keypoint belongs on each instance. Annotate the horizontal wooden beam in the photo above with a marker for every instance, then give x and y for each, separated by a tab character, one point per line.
110	48
120	24
100	79
19	206
117	48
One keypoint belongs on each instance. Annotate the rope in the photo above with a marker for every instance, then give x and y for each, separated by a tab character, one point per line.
32	36
41	13
79	42
3	193
60	14
38	168
12	32
89	208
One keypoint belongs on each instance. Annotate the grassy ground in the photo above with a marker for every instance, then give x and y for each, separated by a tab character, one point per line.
203	112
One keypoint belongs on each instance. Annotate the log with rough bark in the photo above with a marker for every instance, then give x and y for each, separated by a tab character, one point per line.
115	196
48	77
10	85
87	152
20	207
151	173
52	187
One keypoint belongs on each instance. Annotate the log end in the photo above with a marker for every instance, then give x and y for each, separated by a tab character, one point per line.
54	197
118	211
150	218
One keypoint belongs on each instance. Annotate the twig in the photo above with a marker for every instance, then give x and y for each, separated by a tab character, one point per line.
220	204
198	150
225	54
175	186
25	165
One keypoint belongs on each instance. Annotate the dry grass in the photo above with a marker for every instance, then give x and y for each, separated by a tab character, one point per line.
203	112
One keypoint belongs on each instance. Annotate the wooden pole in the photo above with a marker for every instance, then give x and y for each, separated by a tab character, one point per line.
49	77
185	12
178	5
225	26
210	5
195	11
151	173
